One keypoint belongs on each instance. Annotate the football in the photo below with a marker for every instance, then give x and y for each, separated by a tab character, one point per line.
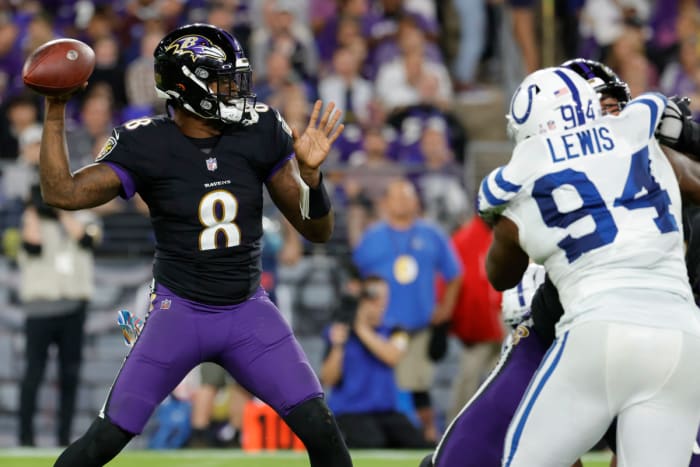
58	67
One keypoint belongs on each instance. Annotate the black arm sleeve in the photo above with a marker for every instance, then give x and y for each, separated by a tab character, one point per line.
546	310
87	241
689	140
32	249
319	202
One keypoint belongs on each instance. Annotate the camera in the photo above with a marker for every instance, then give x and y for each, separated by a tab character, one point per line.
347	309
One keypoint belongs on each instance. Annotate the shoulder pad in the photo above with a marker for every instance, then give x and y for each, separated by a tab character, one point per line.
145	123
138	127
129	135
279	120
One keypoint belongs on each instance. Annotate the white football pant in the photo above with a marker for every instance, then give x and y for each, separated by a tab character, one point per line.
648	377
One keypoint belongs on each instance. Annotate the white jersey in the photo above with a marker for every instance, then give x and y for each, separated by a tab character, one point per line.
599	206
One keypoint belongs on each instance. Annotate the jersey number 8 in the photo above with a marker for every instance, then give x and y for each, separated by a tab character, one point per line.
217	211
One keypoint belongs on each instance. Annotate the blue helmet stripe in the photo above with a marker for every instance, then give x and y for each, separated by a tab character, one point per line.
521	294
575	94
589	73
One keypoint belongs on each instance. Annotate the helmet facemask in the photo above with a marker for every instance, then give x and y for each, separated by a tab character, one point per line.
227	94
603	79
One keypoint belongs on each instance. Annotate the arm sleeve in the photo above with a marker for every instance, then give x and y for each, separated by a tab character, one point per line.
504	184
546	310
689	142
495	191
32	249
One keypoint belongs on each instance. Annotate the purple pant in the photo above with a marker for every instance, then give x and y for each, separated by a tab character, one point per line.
251	340
476	437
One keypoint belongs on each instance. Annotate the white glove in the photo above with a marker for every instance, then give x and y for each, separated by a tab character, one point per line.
671	125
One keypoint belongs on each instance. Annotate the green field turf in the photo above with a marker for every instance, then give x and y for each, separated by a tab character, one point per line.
221	458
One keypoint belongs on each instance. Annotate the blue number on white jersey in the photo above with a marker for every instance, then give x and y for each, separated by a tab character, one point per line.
640	178
639	181
593	205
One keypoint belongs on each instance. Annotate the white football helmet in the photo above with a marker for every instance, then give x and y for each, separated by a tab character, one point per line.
515	302
552	99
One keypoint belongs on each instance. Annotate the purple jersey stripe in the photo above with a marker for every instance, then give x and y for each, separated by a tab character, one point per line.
278	166
128	186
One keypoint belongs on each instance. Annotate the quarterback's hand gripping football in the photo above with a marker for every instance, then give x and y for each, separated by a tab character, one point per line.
312	146
63	98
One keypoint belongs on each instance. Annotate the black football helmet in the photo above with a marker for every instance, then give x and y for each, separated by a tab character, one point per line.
602	78
190	59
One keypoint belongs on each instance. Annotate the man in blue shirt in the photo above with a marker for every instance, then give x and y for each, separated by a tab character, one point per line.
408	253
358	370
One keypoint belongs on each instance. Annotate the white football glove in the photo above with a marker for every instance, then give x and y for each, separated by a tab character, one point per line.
672	120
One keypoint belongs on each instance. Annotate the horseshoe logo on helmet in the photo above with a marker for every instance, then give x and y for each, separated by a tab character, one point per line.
531	91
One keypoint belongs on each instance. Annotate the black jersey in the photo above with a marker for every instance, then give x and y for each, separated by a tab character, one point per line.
206	208
546	310
691	229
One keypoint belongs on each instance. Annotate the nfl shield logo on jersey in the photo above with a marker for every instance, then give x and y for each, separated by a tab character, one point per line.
211	164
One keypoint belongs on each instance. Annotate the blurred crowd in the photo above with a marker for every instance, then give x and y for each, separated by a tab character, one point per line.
400	70
381	62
